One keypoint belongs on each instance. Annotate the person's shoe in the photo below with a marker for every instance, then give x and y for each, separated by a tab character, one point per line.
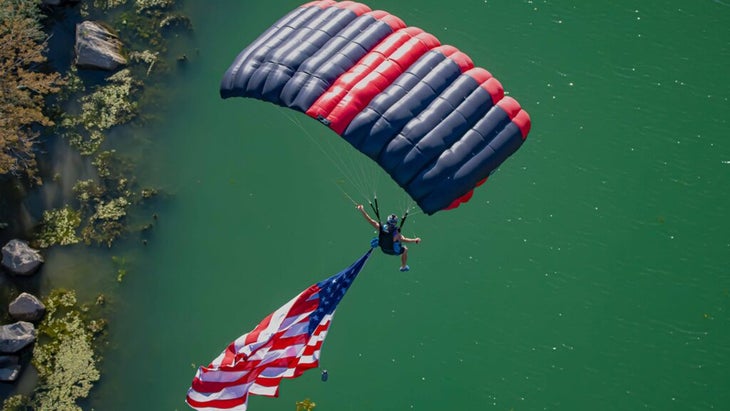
406	268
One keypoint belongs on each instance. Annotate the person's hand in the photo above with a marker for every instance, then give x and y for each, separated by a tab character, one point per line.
360	207
418	240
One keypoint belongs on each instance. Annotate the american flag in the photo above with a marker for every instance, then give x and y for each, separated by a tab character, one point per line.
283	345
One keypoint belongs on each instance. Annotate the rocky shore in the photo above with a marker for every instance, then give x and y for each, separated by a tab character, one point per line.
119	52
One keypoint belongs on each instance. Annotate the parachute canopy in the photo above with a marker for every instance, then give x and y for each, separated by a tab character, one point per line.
435	122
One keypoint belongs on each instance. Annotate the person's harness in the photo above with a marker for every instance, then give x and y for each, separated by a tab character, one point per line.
385	238
386	242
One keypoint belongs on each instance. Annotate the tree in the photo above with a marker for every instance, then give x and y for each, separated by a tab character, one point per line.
23	87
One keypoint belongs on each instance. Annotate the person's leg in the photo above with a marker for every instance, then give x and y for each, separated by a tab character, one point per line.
404	258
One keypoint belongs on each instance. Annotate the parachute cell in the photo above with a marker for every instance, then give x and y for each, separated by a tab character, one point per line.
438	125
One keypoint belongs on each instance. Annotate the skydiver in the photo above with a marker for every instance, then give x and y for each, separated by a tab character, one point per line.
390	238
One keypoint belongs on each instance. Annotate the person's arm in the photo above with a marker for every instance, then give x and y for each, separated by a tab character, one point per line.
405	239
367	217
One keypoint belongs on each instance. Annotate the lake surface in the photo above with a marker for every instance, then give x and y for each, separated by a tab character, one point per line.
590	272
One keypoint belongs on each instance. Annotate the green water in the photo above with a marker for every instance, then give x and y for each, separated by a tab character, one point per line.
591	272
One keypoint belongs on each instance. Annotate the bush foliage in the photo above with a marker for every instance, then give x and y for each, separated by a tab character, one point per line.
23	86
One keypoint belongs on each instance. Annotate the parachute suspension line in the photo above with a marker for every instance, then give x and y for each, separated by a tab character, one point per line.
403	220
407	204
363	171
336	159
411	209
345	193
360	171
375	207
408	207
357	170
414	211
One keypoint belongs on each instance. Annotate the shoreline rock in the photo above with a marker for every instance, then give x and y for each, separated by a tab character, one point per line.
26	307
97	47
20	259
62	346
14	337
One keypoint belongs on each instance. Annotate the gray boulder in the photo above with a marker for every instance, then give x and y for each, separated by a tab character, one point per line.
27	308
19	258
97	47
9	368
14	337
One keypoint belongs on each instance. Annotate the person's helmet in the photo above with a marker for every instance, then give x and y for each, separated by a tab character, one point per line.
392	220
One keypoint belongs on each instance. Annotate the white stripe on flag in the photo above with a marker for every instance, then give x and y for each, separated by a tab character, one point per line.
263	390
228	393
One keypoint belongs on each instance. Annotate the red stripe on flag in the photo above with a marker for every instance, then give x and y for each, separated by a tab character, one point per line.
305	303
253	336
284	342
311	349
269	382
304	367
222	404
230	354
254	367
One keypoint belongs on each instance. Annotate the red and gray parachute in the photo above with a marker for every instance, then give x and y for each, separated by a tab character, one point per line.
438	125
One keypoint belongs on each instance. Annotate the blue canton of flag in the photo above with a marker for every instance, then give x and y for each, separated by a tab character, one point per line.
333	289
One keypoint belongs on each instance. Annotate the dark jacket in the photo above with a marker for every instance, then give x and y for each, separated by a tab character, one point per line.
387	242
